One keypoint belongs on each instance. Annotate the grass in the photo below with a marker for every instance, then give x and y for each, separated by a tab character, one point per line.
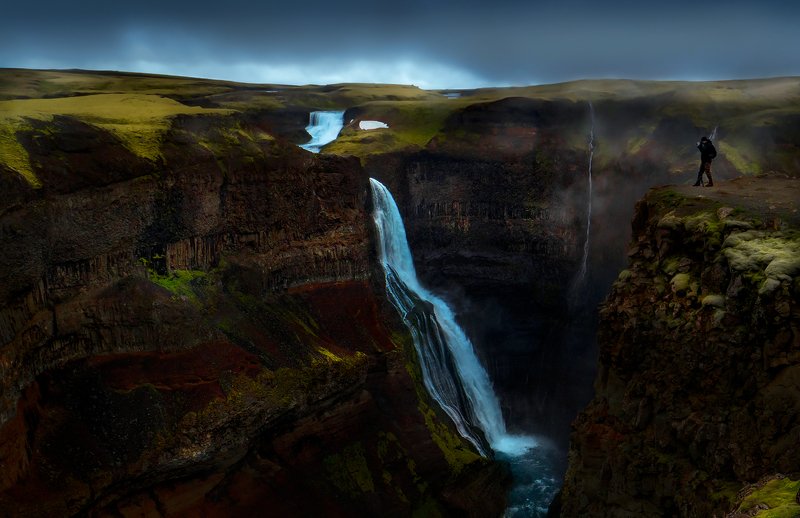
412	124
137	120
13	154
22	83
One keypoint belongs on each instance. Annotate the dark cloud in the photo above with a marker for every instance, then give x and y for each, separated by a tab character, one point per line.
444	43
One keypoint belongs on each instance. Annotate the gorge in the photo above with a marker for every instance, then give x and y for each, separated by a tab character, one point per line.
195	316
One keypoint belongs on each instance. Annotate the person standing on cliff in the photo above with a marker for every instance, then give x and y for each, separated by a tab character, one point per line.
707	154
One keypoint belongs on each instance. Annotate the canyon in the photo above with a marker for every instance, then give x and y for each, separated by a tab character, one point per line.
194	317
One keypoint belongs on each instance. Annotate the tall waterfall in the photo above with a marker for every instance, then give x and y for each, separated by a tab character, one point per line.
582	273
323	127
451	371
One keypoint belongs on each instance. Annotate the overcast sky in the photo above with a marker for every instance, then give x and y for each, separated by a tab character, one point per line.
433	44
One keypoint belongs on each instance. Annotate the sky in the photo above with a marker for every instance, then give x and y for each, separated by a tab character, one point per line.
429	43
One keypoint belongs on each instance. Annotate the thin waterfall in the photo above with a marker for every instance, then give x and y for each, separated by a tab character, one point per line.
582	273
713	136
451	371
324	127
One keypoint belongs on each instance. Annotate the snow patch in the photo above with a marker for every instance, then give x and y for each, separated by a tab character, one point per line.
371	125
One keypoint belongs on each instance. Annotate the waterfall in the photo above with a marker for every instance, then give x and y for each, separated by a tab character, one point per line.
451	371
713	136
582	273
323	127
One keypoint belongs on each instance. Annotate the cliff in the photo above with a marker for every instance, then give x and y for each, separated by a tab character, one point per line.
193	321
697	410
493	187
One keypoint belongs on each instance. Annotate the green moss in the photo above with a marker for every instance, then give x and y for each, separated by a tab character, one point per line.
726	493
668	197
13	154
138	120
349	472
766	259
779	494
670	265
737	155
680	283
704	222
412	124
453	446
181	283
670	221
716	301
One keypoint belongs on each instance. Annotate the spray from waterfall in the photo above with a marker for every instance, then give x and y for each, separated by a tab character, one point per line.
452	373
582	272
324	127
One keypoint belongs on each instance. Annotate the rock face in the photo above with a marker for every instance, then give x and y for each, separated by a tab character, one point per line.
204	334
494	210
698	393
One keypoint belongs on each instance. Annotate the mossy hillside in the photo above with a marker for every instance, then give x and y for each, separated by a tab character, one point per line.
412	124
139	121
12	153
779	495
183	284
222	140
36	84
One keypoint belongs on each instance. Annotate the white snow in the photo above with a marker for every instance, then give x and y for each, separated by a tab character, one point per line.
371	125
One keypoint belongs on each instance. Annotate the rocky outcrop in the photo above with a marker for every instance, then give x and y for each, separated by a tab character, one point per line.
697	394
204	334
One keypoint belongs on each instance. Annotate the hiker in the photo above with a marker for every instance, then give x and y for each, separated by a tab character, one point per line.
707	154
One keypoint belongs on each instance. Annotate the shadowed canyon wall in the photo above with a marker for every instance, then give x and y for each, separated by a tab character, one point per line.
205	334
696	407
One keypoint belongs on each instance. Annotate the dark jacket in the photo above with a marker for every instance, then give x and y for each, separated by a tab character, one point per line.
707	151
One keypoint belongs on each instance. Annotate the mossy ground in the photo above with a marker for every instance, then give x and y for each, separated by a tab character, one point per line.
183	284
412	124
779	495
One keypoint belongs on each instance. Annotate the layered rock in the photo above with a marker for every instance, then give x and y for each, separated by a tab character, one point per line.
204	334
697	394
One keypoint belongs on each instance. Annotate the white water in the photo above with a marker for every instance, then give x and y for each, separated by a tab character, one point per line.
451	371
713	136
582	273
323	127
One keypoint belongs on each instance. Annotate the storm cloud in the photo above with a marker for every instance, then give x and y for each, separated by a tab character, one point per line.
455	44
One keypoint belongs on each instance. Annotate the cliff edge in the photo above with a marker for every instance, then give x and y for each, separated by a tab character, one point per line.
697	405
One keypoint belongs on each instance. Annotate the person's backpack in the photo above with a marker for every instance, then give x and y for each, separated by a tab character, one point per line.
711	151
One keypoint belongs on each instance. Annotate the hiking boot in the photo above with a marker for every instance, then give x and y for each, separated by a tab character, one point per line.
697	184
710	184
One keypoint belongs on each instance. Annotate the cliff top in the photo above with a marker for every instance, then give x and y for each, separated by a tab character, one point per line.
644	121
771	199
